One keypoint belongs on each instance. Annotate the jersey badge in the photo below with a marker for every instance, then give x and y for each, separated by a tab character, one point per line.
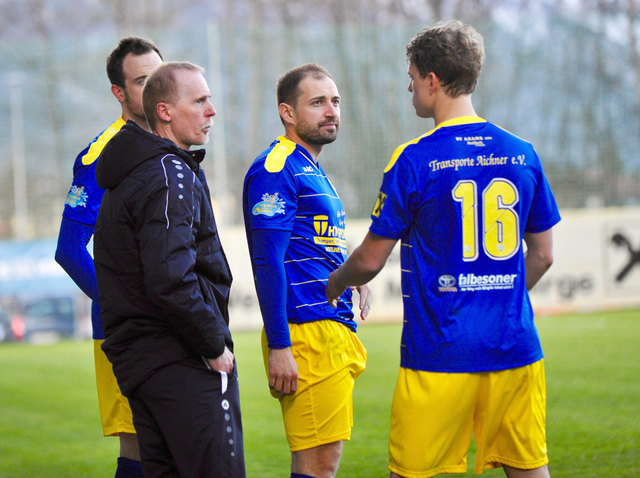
377	209
270	205
77	197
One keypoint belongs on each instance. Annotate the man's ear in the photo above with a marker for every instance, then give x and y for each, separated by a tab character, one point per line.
434	81
163	110
118	92
287	112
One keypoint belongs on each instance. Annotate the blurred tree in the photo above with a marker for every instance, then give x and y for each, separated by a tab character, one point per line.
146	17
631	12
564	74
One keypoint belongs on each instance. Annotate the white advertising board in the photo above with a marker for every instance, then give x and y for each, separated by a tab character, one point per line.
596	267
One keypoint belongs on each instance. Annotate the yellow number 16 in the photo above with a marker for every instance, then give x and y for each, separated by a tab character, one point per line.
501	231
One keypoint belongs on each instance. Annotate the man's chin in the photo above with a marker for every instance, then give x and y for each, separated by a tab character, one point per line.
328	138
201	141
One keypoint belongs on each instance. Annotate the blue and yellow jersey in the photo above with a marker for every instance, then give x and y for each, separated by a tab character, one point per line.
460	199
286	190
84	197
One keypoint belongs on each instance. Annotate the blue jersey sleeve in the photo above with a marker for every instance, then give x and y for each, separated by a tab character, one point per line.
272	204
392	214
84	197
272	199
544	210
269	248
73	256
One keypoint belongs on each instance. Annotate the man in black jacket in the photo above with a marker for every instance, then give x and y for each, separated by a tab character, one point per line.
164	284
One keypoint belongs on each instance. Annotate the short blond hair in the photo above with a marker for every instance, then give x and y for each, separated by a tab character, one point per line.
161	87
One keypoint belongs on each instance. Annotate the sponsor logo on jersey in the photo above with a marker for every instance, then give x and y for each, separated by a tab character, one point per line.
270	205
77	197
472	282
320	224
447	283
332	237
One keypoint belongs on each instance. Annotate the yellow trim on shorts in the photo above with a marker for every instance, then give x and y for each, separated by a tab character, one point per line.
115	412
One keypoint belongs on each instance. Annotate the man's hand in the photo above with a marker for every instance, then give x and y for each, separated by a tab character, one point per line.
365	300
283	371
223	363
360	268
334	289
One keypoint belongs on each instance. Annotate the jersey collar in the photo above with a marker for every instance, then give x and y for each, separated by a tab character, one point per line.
461	120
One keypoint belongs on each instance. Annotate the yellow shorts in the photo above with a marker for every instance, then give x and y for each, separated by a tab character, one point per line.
433	416
115	413
329	357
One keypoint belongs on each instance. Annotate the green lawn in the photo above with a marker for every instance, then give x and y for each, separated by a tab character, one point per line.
49	426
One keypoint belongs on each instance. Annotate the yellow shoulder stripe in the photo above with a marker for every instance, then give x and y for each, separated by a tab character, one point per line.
277	157
97	146
451	122
396	154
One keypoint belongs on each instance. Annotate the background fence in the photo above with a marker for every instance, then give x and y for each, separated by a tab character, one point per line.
560	74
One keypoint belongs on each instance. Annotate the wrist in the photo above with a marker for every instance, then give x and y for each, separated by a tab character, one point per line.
278	347
339	279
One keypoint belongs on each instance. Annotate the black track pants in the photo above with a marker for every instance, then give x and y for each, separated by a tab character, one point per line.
189	423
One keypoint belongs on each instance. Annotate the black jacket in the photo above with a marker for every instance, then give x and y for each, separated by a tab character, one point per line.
162	275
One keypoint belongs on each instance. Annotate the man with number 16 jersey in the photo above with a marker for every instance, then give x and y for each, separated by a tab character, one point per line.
473	200
463	200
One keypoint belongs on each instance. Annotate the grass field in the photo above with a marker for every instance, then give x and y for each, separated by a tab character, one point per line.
49	422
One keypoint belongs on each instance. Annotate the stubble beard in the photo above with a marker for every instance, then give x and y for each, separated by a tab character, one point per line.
317	135
134	111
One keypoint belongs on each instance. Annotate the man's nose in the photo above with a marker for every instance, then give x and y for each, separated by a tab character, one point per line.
332	110
211	111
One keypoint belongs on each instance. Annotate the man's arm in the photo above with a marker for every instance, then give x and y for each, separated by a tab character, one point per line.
73	256
362	265
175	276
268	253
539	256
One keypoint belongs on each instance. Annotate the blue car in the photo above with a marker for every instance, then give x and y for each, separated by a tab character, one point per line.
44	319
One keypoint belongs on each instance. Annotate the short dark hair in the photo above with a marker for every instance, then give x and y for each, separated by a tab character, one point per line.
287	88
133	45
161	86
453	51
